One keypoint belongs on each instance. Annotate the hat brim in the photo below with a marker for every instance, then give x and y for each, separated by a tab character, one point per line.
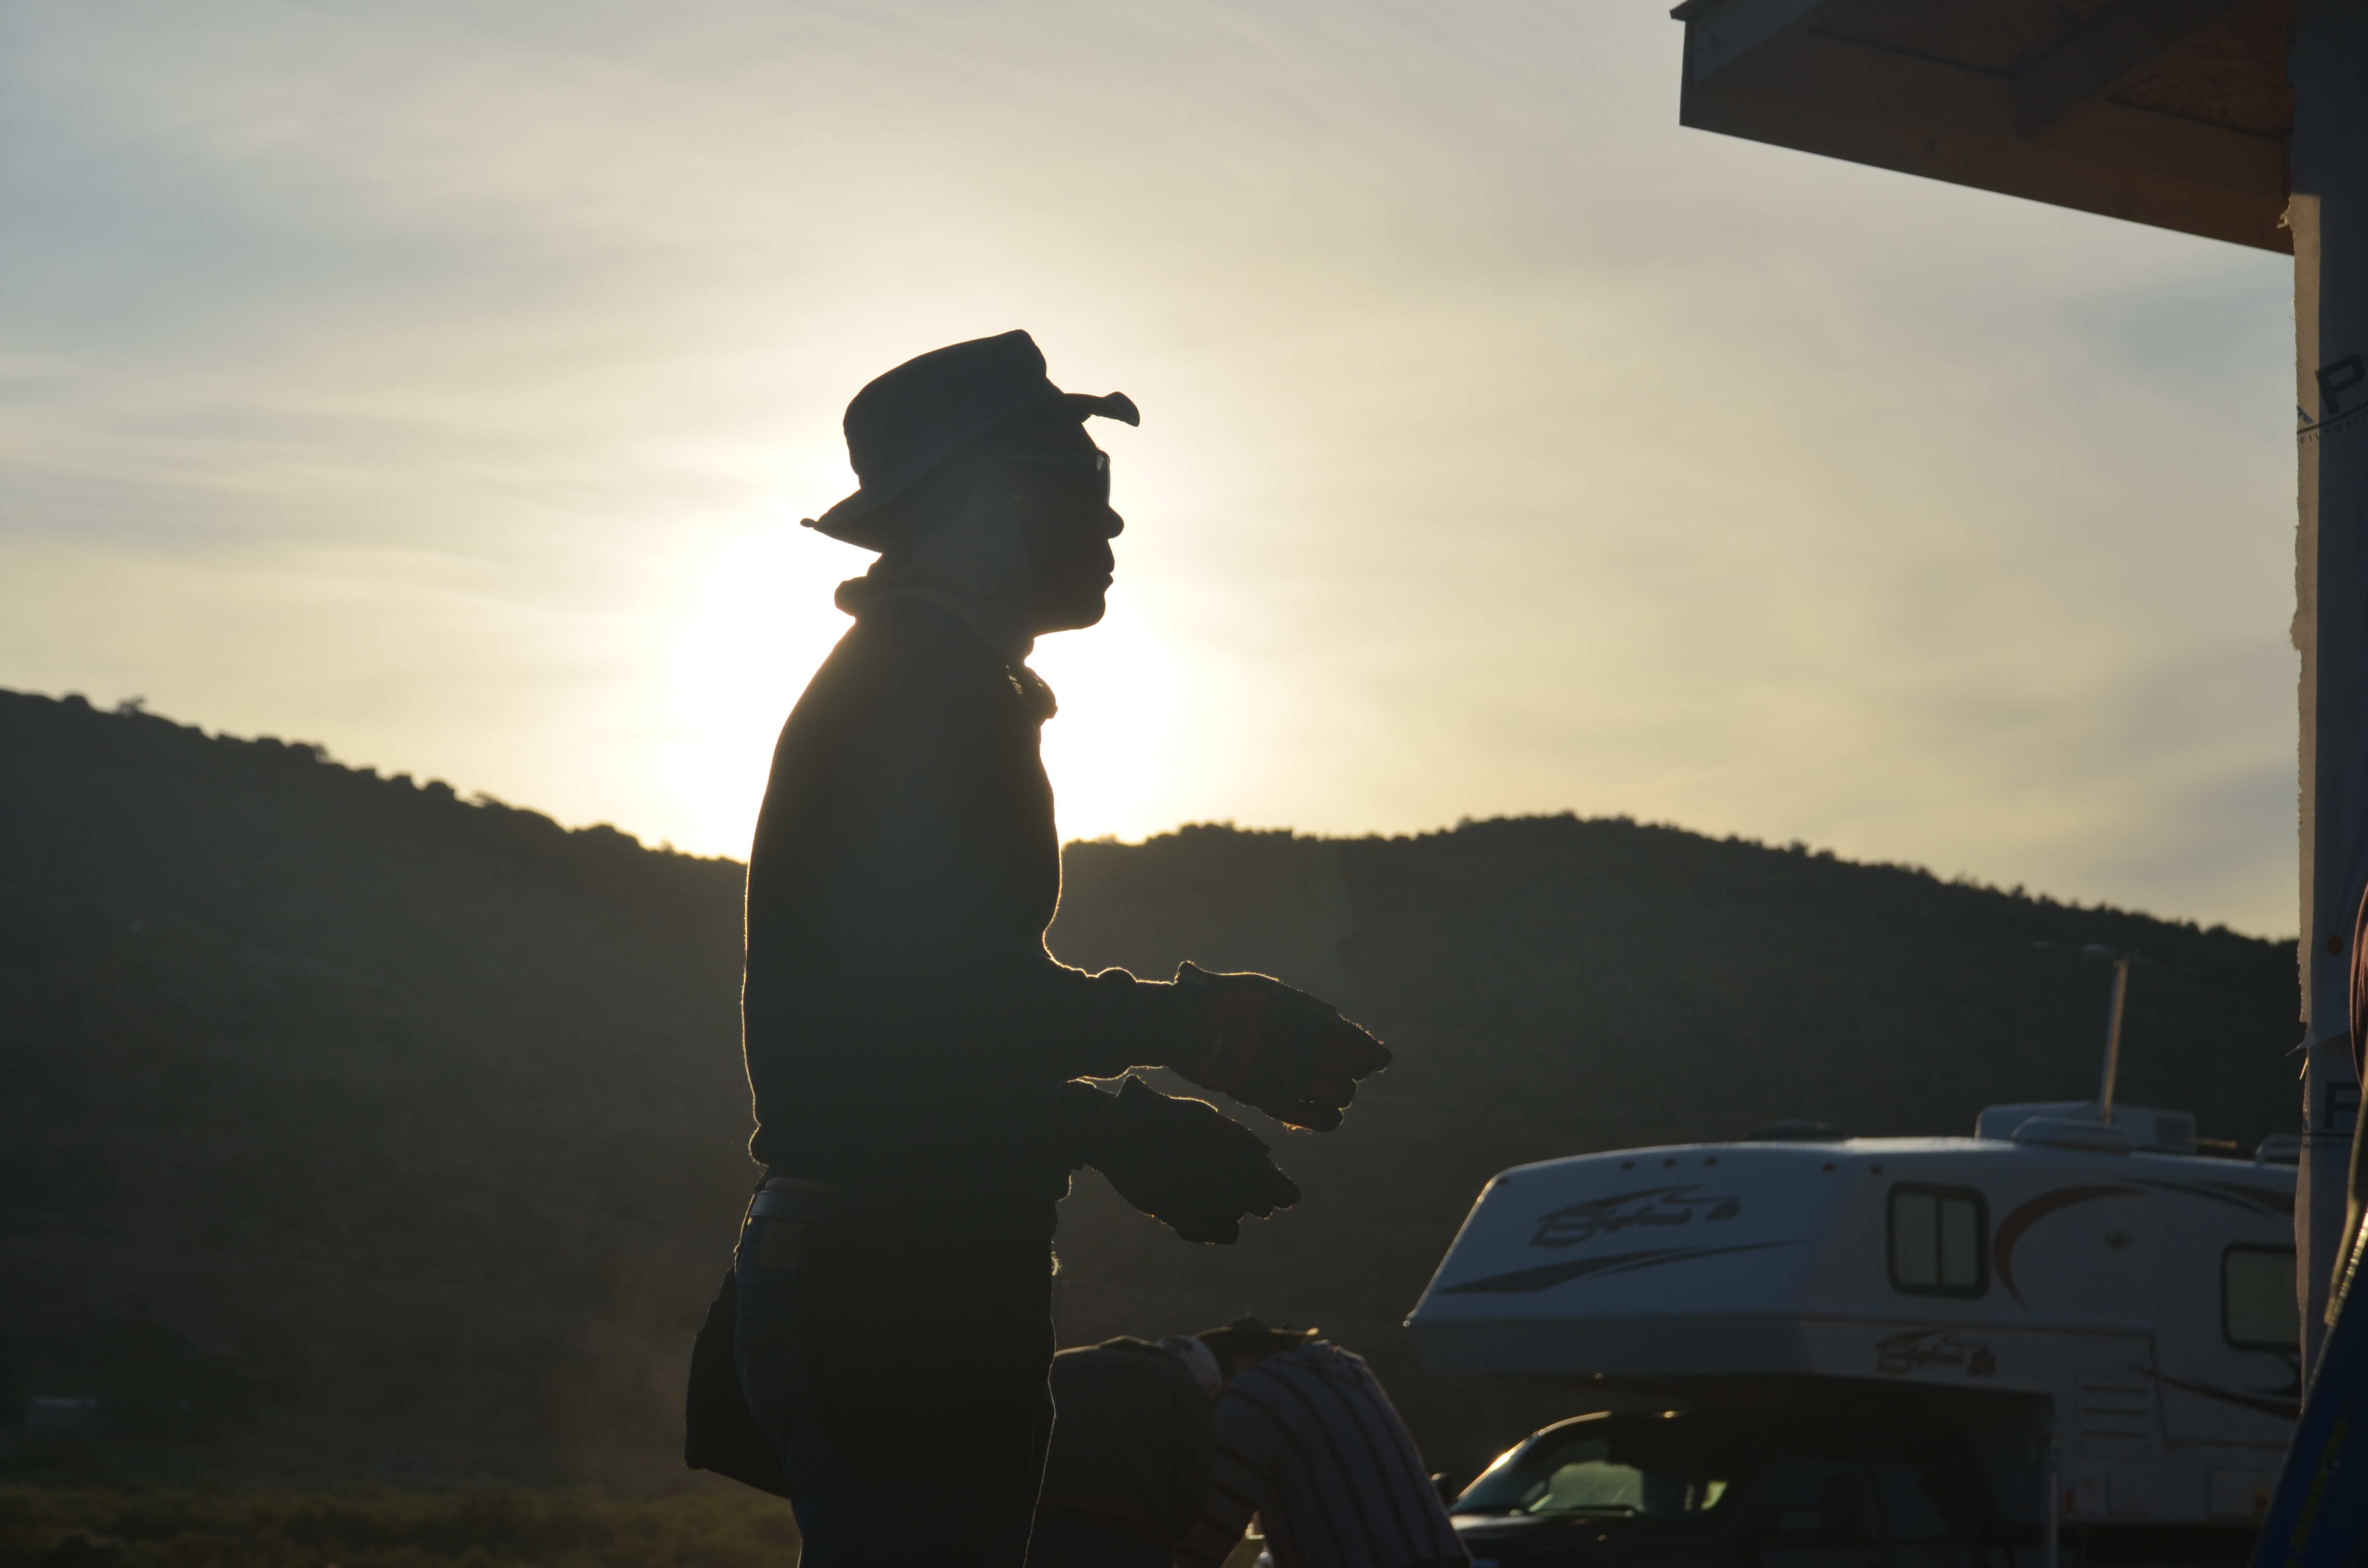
850	519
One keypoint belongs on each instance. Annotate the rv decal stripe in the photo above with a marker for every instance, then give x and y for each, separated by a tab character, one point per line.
2253	1199
2011	1228
2285	1409
1547	1279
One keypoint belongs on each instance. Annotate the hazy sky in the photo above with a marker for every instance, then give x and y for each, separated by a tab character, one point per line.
444	383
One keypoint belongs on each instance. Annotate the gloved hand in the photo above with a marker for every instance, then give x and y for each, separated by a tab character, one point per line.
1268	1046
1186	1164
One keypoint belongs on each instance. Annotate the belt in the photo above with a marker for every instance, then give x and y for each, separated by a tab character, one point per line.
1106	1511
801	1201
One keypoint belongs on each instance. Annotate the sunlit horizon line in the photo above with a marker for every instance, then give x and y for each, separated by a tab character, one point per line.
138	705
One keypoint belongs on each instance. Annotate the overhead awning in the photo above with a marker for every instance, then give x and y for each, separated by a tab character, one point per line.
2170	112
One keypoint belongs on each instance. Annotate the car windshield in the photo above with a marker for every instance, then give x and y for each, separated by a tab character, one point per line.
1601	1468
1816	1480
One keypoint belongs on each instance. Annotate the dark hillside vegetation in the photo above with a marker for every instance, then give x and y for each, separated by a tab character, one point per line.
377	1527
398	1133
412	1115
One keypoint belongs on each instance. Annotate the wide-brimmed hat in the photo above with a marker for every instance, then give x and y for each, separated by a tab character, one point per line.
1248	1336
921	412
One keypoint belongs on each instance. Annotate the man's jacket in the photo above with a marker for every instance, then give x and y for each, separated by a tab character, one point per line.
905	1027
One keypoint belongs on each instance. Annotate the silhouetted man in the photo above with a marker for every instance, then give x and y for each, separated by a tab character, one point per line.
912	1047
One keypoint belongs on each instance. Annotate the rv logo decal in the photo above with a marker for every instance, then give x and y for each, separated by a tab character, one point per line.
1904	1353
1647	1209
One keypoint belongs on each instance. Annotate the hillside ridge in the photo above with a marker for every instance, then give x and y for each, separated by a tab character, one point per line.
535	821
384	1122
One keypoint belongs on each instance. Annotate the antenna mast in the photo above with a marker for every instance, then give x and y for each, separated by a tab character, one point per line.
2113	1035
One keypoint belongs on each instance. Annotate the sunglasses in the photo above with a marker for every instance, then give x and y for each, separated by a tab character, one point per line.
1095	463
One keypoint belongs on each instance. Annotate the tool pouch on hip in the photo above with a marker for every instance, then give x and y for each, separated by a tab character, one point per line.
717	1432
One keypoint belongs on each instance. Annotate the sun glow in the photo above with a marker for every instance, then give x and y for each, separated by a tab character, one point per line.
752	618
1115	750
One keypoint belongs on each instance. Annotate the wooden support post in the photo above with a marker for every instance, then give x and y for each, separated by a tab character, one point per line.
2329	216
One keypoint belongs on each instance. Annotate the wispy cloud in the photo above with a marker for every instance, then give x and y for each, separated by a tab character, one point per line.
444	383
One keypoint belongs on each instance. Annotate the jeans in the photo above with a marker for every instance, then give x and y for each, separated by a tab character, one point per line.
904	1387
1088	1540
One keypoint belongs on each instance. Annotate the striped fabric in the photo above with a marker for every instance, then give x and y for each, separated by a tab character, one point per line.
1308	1442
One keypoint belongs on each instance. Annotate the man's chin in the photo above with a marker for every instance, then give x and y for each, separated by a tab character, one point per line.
1077	620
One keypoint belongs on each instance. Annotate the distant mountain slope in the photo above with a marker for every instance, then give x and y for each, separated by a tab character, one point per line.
351	1076
433	1111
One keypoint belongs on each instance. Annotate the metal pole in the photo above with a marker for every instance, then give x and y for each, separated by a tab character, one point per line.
2113	1039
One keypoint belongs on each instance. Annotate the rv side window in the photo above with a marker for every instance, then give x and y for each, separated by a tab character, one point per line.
2257	1299
1939	1241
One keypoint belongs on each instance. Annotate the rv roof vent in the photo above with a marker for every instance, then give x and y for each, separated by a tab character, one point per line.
2073	1133
2174	1132
2155	1131
1795	1132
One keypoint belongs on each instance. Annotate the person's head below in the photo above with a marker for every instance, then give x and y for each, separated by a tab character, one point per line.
978	479
1245	1342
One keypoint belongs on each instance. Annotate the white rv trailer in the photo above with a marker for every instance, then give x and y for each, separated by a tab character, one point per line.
2107	1316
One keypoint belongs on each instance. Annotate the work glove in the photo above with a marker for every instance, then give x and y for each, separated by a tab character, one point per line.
1254	1038
1186	1164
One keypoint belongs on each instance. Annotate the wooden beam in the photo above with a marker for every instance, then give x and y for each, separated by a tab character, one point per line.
1725	32
2099	59
1824	94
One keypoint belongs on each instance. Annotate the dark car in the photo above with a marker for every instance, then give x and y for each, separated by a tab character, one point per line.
1731	1489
